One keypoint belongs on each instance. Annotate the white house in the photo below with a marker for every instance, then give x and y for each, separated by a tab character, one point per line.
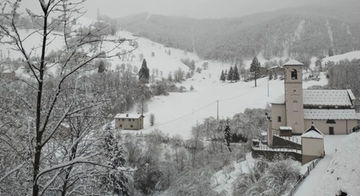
129	121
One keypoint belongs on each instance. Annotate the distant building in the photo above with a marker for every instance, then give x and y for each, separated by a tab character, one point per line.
10	75
332	111
129	121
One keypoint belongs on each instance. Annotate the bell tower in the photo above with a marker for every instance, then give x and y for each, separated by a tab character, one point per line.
294	96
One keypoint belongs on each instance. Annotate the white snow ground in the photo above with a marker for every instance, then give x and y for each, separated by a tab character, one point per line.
343	172
311	182
178	112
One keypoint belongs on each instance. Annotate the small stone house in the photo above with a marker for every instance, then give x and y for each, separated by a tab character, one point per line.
129	121
312	142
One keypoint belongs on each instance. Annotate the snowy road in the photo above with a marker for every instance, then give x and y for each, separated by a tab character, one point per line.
313	180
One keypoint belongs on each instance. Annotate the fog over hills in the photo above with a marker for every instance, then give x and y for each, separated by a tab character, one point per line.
294	32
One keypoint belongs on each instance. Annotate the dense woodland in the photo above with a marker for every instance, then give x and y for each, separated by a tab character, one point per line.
344	75
299	33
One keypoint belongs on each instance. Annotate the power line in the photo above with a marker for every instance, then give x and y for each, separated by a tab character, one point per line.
239	95
206	107
187	114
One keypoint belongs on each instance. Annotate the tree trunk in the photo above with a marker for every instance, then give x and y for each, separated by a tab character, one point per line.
39	130
255	79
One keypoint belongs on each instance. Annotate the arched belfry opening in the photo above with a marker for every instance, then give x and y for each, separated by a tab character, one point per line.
294	74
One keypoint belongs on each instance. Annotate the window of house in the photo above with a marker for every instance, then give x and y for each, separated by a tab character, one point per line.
123	119
120	125
330	121
129	119
294	74
279	118
131	125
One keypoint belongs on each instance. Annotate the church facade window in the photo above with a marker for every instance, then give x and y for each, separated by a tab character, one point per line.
294	74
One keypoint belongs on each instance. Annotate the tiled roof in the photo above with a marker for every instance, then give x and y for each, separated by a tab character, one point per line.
358	116
327	97
293	62
336	114
128	116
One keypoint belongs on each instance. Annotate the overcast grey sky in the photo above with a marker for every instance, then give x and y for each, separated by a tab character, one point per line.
192	8
189	8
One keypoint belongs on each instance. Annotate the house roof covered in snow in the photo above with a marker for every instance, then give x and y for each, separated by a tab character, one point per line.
293	62
285	128
323	98
335	114
328	97
128	116
313	132
279	100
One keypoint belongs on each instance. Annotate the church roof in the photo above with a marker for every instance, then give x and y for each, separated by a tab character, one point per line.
313	132
323	98
328	97
293	62
335	114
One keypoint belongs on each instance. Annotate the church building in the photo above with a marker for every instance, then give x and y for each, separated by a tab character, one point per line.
331	111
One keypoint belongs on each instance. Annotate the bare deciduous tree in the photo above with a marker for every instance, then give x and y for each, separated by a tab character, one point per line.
52	113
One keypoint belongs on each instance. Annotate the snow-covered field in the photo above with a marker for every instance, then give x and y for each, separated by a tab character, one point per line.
177	113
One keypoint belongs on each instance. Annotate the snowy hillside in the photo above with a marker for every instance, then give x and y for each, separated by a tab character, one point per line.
350	56
178	112
343	173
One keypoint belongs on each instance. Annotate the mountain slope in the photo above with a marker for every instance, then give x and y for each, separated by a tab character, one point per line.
306	31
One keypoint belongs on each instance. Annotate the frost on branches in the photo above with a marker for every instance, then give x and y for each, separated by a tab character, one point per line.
51	116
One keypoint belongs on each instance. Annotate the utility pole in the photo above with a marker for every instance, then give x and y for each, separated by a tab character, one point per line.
268	87
217	111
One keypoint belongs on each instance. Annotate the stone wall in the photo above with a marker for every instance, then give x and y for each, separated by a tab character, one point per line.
279	142
270	155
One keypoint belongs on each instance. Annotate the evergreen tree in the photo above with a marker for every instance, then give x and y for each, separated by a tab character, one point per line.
227	136
144	73
255	67
101	66
116	181
222	76
231	74
236	76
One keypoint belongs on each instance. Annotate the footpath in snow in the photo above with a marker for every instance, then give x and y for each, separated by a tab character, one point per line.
311	182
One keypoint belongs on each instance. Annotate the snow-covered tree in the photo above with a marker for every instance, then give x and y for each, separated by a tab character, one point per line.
41	156
222	76
115	179
144	72
255	67
230	75
236	74
152	119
